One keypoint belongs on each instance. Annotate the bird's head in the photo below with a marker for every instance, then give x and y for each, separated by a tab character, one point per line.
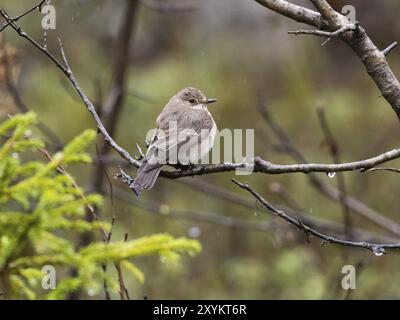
192	98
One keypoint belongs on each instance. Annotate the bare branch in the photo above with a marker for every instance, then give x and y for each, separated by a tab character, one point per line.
68	72
376	248
325	189
15	19
194	215
66	69
263	166
165	211
123	291
292	11
334	18
295	210
327	34
373	59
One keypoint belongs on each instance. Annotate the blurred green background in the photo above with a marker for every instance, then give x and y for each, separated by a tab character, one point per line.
239	53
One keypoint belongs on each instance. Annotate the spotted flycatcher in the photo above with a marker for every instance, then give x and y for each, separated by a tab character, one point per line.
185	134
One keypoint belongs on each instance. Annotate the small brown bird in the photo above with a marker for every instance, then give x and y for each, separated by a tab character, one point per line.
185	134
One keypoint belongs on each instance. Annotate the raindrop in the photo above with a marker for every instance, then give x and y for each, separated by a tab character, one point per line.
91	292
256	213
164	210
194	232
377	251
331	174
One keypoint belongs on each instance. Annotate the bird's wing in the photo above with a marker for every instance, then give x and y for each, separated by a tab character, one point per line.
183	128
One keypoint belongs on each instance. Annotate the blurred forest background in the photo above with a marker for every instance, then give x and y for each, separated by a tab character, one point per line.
239	53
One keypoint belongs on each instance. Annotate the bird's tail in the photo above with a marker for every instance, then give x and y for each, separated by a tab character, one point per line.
146	178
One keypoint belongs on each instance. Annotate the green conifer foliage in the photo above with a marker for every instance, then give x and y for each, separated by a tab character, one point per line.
41	208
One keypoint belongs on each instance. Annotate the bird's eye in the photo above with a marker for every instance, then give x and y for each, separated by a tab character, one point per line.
192	100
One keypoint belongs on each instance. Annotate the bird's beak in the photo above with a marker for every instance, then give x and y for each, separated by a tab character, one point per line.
209	101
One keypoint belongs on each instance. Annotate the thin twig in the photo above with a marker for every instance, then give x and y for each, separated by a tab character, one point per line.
337	33
384	169
389	48
15	19
327	34
325	189
376	248
261	225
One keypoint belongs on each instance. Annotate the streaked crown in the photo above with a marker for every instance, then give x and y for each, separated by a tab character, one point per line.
193	95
